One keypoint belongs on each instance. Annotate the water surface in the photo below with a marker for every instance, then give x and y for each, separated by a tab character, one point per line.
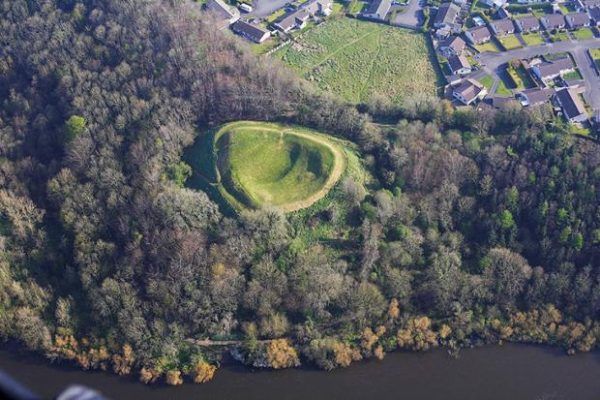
508	372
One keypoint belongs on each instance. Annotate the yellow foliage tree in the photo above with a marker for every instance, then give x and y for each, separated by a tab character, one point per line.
173	377
203	372
281	354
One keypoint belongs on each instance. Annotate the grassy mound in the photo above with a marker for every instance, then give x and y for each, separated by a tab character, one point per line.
252	164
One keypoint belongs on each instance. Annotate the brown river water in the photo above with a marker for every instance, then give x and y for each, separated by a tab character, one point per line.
509	372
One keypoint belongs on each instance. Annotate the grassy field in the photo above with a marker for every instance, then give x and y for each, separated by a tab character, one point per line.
510	42
357	59
595	53
251	164
583	34
533	39
560	37
487	81
489	47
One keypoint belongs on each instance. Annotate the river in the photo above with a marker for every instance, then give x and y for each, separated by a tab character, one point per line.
508	372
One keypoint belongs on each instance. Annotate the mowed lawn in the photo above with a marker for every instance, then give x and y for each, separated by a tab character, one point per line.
533	39
357	59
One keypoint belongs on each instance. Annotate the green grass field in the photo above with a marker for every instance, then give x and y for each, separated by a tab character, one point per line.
252	164
583	34
595	53
560	37
489	47
357	59
510	42
533	39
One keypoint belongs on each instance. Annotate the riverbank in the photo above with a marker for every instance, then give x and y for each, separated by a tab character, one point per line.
490	372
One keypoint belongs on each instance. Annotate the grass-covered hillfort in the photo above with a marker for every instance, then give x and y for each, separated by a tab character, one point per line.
255	164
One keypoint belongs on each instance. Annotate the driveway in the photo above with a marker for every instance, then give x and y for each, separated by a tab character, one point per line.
412	16
264	8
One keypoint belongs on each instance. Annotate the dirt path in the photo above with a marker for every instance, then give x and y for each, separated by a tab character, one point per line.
339	162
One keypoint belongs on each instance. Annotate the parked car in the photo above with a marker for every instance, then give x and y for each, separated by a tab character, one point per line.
245	7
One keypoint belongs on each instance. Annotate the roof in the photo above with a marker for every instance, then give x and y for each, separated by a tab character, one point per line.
458	62
379	7
555	67
590	3
554	20
537	96
570	102
503	25
595	13
456	43
480	33
221	10
313	6
251	31
446	13
289	20
469	89
579	18
529	22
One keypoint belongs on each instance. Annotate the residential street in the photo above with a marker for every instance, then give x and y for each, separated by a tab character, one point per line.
492	62
412	17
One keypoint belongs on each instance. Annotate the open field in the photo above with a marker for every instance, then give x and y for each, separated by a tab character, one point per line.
356	60
252	164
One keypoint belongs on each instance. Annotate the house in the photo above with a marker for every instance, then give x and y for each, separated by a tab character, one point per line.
494	3
224	14
503	13
595	16
535	97
553	21
250	31
571	105
452	46
528	24
377	10
546	71
318	7
459	65
446	15
577	20
502	27
586	4
469	91
478	35
295	19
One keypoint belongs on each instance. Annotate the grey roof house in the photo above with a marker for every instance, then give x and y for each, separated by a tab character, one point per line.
469	91
459	65
535	97
454	45
528	24
478	35
595	16
293	20
502	27
250	31
577	20
571	105
446	15
224	14
377	10
553	21
547	71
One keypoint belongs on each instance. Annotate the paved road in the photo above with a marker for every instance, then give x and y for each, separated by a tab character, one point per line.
264	8
493	62
592	80
412	15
